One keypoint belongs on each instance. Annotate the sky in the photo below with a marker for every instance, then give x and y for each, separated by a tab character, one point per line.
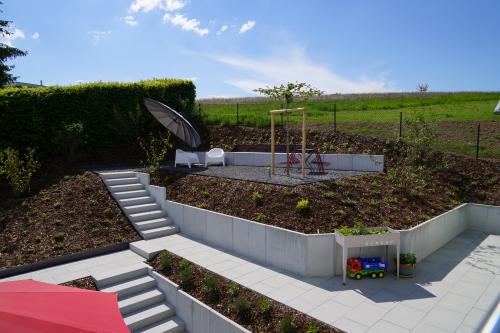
230	47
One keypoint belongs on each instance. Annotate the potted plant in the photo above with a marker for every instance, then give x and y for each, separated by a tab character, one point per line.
407	264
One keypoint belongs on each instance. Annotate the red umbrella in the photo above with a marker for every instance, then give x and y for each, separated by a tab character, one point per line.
28	306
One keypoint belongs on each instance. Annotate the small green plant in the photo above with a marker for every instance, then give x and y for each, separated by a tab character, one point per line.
328	195
408	258
17	169
75	227
57	204
349	202
257	198
155	148
302	206
286	324
234	290
212	286
108	212
165	260
59	237
259	217
38	238
287	192
206	194
265	308
360	229
241	306
312	328
186	272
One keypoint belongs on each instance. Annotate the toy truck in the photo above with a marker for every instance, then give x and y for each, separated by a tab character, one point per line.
372	267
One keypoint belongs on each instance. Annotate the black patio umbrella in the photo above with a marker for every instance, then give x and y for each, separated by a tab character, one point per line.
174	122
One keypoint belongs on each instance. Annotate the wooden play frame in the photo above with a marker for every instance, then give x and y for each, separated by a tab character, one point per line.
273	141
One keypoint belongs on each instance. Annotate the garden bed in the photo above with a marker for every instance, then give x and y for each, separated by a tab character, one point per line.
73	214
223	301
84	283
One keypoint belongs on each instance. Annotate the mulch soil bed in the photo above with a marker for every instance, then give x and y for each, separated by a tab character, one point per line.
84	283
70	215
373	199
224	302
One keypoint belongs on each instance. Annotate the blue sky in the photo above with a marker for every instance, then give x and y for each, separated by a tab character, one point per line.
230	47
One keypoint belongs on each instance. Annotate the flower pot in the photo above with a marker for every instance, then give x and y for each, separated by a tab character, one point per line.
407	270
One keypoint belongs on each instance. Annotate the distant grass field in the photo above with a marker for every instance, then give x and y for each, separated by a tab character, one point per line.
456	116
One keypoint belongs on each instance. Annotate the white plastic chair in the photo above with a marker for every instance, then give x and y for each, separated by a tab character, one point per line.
215	156
184	157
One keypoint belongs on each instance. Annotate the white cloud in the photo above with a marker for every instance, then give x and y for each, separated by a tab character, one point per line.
130	20
148	5
36	35
179	20
247	26
293	65
222	29
98	35
8	39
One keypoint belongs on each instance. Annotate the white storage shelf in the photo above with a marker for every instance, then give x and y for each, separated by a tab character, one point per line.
391	237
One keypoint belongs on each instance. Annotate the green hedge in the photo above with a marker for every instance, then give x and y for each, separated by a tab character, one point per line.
111	113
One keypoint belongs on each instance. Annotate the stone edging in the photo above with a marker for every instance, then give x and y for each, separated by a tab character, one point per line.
63	259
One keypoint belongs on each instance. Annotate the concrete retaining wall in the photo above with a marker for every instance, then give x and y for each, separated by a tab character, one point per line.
350	162
483	218
198	317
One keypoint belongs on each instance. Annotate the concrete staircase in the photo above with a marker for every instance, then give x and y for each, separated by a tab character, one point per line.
142	305
141	209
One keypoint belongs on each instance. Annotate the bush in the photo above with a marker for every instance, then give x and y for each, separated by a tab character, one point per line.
212	286
257	198
109	113
17	169
302	206
165	261
408	258
155	148
59	237
186	272
260	217
286	324
234	290
70	139
241	306
265	309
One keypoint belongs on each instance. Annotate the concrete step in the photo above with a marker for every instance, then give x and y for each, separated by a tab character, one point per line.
143	216
141	300
130	194
132	286
160	232
117	174
135	201
121	181
171	325
141	208
126	187
152	224
120	274
149	315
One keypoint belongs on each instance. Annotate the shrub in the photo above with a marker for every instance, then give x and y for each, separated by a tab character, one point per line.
408	258
155	148
312	328
17	169
259	217
234	290
59	237
186	272
165	261
265	308
69	139
257	198
286	324
212	286
241	306
302	206
109	113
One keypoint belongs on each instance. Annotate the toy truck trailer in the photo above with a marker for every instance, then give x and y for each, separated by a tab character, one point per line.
372	267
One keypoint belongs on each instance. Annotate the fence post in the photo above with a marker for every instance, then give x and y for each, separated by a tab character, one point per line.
237	114
477	142
335	117
400	125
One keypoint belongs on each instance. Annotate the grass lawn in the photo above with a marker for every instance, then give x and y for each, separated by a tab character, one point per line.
456	116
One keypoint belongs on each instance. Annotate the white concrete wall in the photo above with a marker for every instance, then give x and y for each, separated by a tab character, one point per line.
484	218
198	317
